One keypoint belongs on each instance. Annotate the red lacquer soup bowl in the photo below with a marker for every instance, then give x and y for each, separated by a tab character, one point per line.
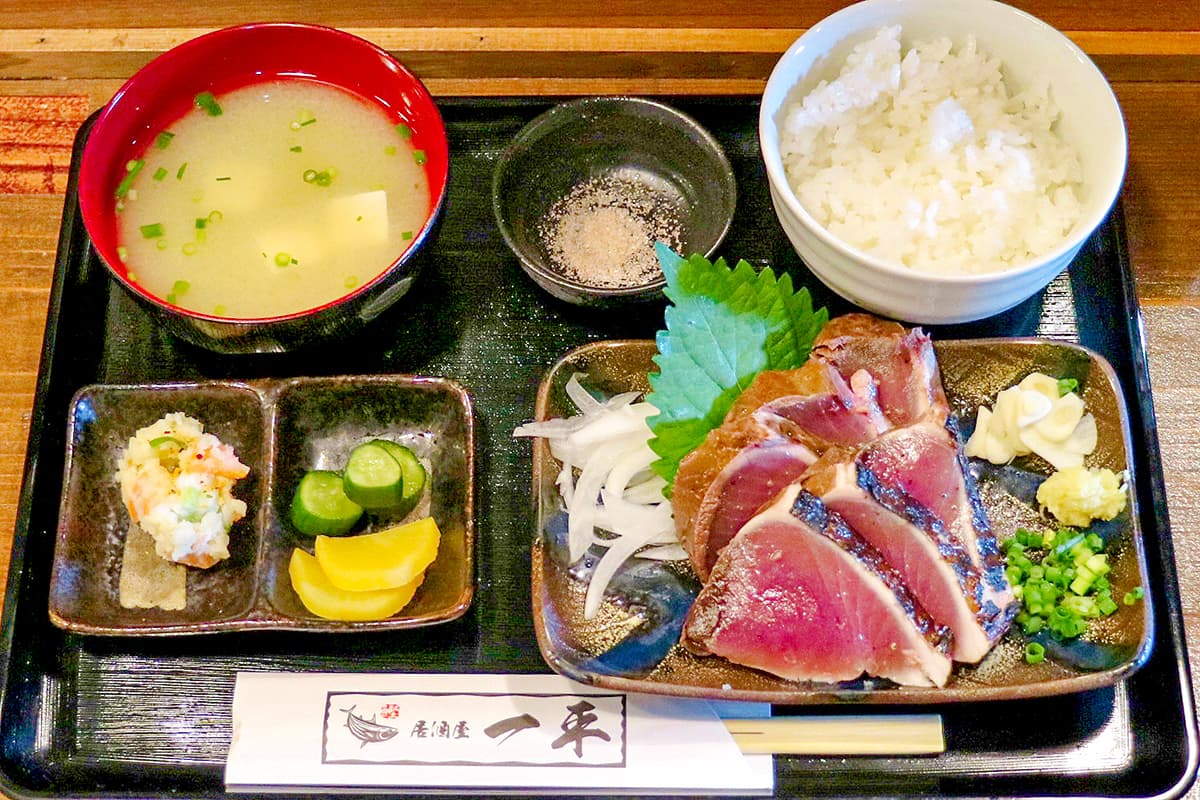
166	89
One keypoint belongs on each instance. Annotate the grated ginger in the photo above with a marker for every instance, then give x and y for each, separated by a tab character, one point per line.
1077	495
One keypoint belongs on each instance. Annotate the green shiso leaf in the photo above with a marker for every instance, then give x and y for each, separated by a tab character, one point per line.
724	326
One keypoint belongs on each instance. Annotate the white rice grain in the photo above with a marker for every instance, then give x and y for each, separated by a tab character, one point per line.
924	158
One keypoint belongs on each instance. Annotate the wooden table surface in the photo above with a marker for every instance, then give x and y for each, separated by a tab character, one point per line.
59	62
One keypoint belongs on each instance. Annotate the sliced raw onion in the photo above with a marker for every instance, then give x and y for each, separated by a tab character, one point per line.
606	484
663	552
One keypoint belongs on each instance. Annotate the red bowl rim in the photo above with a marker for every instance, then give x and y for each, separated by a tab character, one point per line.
109	135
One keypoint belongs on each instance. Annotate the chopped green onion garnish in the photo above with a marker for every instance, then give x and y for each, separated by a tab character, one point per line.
181	287
122	253
390	150
180	171
215	216
403	130
163	140
358	218
1064	588
406	235
351	281
1066	386
1133	595
132	277
160	441
132	169
189	248
219	310
225	178
306	118
152	231
322	178
419	156
161	244
296	149
1034	653
201	223
160	173
282	259
172	299
209	103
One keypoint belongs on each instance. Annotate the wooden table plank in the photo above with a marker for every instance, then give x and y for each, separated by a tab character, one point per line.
1100	15
696	55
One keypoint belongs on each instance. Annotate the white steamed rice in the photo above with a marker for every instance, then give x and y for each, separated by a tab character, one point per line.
923	158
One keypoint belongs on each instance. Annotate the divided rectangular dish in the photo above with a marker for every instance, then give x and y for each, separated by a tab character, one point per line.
279	428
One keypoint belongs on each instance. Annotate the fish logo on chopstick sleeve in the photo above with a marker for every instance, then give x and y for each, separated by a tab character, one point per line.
367	730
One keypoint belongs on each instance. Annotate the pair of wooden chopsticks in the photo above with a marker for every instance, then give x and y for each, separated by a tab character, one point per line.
895	734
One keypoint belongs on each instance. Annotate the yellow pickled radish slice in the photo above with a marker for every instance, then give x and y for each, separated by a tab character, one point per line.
1065	414
325	600
385	559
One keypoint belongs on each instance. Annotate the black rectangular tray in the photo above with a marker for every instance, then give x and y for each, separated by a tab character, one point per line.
88	716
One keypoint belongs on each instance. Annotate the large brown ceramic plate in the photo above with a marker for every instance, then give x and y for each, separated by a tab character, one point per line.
632	644
279	428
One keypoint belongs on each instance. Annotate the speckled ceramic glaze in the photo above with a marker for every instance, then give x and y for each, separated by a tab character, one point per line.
279	428
632	643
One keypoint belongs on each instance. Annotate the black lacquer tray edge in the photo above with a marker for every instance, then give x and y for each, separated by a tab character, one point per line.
1155	498
1169	623
71	236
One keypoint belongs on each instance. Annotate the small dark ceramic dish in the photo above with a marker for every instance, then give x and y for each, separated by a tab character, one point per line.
279	428
219	62
633	642
625	139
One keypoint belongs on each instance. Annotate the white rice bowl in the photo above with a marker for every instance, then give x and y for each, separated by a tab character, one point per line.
921	235
923	156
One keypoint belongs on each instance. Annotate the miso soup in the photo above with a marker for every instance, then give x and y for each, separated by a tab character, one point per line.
270	200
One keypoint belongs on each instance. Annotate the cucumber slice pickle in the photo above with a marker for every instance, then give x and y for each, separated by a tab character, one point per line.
320	505
413	484
373	477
